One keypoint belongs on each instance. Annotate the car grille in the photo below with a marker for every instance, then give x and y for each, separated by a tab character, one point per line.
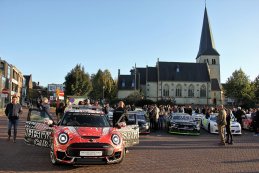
74	149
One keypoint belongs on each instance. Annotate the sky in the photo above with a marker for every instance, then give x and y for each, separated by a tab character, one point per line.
48	38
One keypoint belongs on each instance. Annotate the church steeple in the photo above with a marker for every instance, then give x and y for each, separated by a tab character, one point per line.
207	46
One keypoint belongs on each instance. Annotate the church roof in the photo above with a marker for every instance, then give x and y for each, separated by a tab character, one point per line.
207	46
215	85
125	82
152	74
179	71
141	73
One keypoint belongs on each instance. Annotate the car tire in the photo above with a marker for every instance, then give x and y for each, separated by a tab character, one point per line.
209	128
53	157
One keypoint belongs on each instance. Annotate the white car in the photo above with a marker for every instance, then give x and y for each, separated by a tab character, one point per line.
210	124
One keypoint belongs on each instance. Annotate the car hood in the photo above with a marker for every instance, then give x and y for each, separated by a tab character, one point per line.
89	131
235	123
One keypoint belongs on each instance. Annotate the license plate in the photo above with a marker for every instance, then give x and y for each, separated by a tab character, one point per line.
91	153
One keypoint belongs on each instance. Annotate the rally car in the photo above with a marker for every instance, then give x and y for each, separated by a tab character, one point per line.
182	123
247	122
209	123
82	136
142	120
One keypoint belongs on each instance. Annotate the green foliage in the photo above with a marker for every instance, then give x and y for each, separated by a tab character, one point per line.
239	87
77	82
256	88
103	85
141	103
136	95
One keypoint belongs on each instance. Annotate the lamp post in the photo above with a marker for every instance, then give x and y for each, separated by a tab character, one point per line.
103	92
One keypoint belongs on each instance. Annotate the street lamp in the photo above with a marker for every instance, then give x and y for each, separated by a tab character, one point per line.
103	92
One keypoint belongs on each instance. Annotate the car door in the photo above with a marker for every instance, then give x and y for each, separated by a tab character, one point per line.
130	133
37	128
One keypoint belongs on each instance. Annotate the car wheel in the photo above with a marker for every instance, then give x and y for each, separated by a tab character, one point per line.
209	128
53	157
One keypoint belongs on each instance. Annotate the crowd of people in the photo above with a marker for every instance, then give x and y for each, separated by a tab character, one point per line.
157	114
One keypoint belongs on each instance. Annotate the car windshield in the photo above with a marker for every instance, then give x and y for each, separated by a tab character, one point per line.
131	117
84	120
213	118
141	117
181	117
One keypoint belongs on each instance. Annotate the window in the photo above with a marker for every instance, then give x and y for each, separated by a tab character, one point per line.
133	84
213	61
166	90
177	69
203	91
123	83
191	91
178	91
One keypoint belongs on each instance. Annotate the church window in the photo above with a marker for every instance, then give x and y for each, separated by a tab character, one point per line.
123	83
191	91
166	90
213	61
133	83
178	91
203	91
178	69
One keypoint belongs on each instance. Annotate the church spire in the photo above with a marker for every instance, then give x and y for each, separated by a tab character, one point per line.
207	46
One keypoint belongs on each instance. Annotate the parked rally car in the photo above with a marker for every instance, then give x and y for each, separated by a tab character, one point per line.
210	124
182	123
247	122
142	120
83	136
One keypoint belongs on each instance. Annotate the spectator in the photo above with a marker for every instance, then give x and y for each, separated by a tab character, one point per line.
118	113
256	122
221	121
238	115
229	139
60	111
12	111
45	105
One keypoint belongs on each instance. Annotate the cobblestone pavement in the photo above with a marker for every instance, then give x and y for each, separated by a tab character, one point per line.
158	152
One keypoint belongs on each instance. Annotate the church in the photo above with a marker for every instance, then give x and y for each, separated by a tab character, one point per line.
180	82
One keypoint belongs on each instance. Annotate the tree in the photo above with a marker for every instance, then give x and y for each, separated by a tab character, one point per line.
103	85
239	87
134	96
256	89
77	82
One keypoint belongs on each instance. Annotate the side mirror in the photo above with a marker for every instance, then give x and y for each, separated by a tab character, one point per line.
121	124
48	121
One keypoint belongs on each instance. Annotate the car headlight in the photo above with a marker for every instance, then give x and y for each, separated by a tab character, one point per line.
173	124
116	139
63	138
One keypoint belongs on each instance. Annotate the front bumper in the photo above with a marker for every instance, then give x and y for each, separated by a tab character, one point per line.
101	153
184	131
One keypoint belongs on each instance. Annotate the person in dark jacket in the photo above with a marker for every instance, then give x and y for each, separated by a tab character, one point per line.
239	114
118	112
229	139
256	122
12	111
